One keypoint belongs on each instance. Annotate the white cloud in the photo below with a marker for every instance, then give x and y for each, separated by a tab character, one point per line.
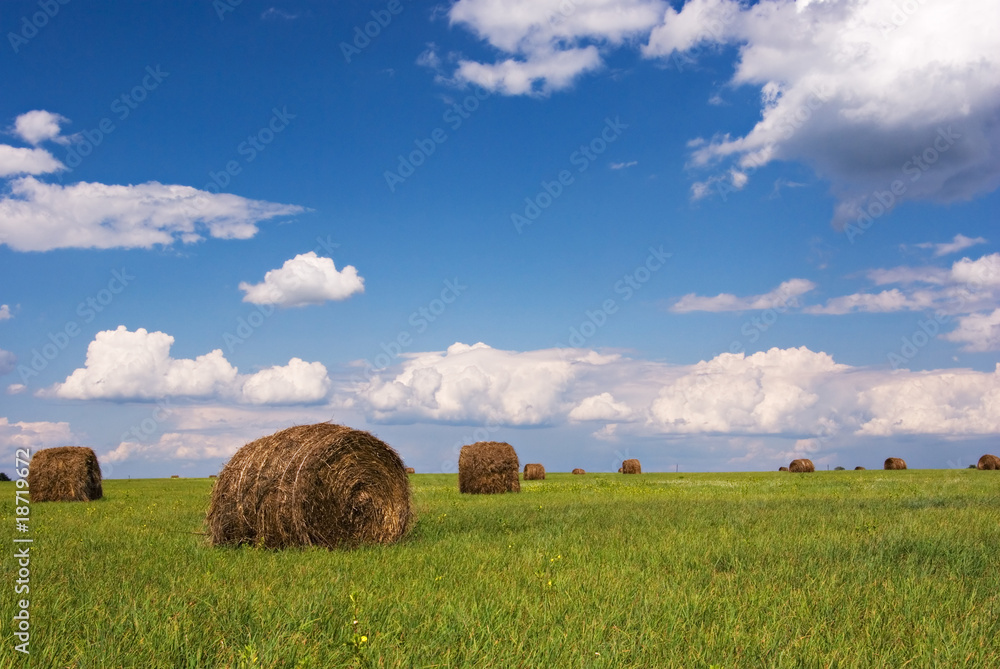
621	166
38	126
552	41
886	301
36	216
982	272
978	332
469	384
16	388
793	393
34	436
784	295
124	365
958	243
601	407
8	361
14	160
305	279
5	314
854	96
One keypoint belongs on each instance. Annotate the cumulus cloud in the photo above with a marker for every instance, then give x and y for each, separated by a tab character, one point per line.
601	407
39	126
863	92
958	243
36	435
978	332
305	279
793	393
551	42
16	388
124	365
784	295
36	216
984	271
5	312
15	160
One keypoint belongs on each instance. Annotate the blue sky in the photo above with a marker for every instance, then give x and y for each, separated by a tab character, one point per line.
708	235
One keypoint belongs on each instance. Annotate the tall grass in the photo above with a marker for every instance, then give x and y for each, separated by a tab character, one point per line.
833	569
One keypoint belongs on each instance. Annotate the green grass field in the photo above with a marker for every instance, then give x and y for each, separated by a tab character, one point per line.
833	569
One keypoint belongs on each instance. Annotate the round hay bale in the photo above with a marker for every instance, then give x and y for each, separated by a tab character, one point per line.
311	485
534	472
488	468
895	463
782	469
411	470
859	468
175	476
65	474
631	466
988	462
212	476
619	470
579	471
802	466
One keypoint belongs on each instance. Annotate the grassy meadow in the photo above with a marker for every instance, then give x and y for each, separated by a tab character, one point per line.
832	569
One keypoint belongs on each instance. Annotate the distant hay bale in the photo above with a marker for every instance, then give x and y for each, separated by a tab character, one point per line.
988	462
411	470
782	469
212	476
487	468
631	466
579	471
895	463
802	466
859	468
65	474
175	476
534	472
311	485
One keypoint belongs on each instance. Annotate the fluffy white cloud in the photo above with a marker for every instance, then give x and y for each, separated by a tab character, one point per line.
864	92
16	388
37	216
305	279
8	361
978	332
5	312
795	393
124	365
784	295
601	407
34	436
552	41
982	272
38	126
15	160
958	243
468	384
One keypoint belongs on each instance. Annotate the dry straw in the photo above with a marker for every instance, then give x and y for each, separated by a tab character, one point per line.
802	466
988	462
312	485
895	463
859	468
534	472
411	470
65	474
488	467
579	471
175	476
631	467
782	469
